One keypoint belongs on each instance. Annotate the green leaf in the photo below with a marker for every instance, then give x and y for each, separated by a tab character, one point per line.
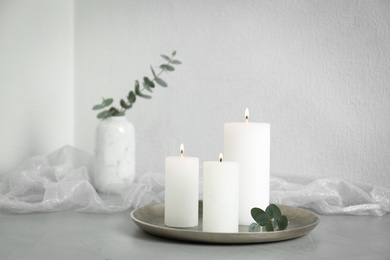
273	211
259	216
173	53
268	226
161	82
144	96
97	107
154	73
282	222
103	114
131	97
255	212
167	67
107	102
138	92
136	89
148	84
124	104
262	219
176	62
254	227
113	111
274	223
120	113
166	57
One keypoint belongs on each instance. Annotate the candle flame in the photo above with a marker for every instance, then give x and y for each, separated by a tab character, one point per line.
181	149
246	115
220	157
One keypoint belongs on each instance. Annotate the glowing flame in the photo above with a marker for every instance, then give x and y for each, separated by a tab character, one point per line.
246	114
181	149
220	157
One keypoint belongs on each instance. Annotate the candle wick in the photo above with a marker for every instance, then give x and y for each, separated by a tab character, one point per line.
181	150
246	115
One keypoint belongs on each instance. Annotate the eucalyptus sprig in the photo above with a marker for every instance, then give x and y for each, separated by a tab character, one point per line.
269	220
147	84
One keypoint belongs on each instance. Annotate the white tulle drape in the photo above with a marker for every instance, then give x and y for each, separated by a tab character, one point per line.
61	181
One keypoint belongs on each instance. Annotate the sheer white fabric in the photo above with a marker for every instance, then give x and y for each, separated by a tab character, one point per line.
61	181
332	196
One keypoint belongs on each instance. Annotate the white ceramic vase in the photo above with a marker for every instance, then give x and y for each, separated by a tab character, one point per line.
114	164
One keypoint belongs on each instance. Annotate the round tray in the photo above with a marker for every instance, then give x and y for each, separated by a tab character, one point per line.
151	220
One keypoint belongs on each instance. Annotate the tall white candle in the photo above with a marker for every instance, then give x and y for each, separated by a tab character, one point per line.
249	144
220	196
181	191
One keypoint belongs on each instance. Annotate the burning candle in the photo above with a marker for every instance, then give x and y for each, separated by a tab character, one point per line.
220	196
181	190
249	144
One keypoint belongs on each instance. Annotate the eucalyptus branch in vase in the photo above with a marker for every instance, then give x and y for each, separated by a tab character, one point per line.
147	84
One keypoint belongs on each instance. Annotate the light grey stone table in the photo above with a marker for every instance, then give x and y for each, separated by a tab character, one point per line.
71	235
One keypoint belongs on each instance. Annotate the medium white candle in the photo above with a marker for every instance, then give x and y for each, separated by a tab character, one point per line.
249	144
220	196
181	190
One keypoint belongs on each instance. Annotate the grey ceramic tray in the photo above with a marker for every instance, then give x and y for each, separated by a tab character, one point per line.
151	220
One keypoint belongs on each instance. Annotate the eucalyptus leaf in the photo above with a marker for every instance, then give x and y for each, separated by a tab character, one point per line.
161	82
144	96
274	223
131	97
97	107
147	87
259	216
124	104
120	113
254	227
268	226
154	73
136	87
273	211
112	111
282	222
255	212
167	67
173	53
103	114
176	62
166	57
107	102
138	92
148	84
262	219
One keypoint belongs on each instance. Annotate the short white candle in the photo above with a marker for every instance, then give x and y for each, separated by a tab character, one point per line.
220	196
249	144
181	191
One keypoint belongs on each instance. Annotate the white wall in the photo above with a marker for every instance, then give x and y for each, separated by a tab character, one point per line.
36	78
318	71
